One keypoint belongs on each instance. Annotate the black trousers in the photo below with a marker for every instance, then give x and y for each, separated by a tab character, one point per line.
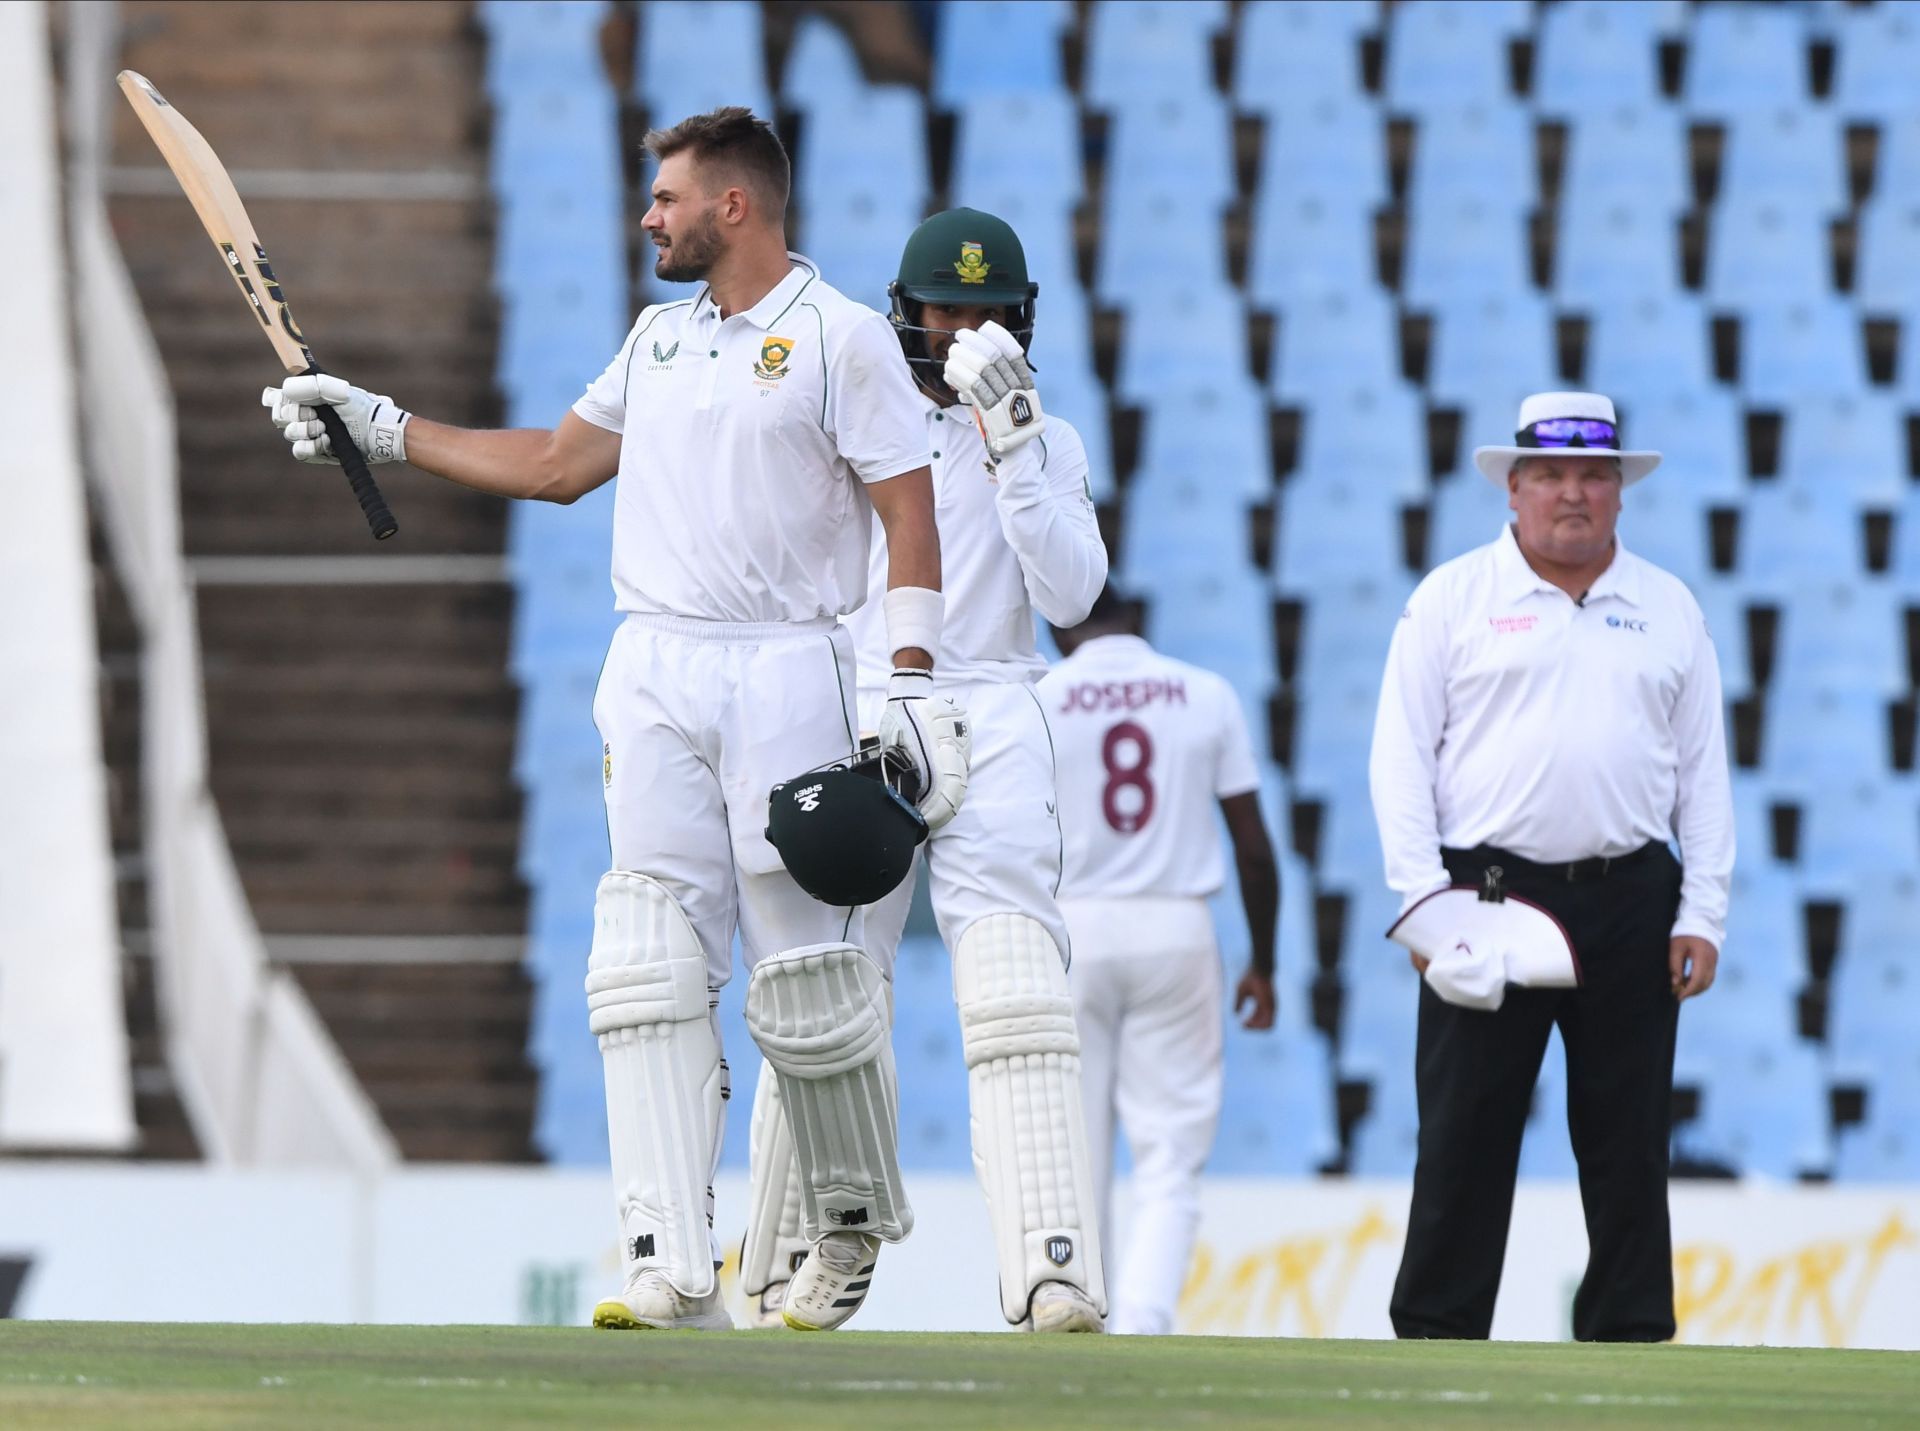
1476	1072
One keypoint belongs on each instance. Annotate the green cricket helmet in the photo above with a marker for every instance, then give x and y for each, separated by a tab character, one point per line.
960	256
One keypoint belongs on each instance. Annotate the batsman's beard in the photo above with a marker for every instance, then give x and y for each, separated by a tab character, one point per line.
690	258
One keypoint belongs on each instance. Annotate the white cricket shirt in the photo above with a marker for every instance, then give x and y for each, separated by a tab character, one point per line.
745	444
1144	747
1512	716
1014	538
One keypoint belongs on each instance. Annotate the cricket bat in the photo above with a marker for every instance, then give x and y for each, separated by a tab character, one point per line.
214	199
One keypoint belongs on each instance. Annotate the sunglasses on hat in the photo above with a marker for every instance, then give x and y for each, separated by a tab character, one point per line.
1569	432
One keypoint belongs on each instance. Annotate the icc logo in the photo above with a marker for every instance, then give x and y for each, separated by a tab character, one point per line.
1625	624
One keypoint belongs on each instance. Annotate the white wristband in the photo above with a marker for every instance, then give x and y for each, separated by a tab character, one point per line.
914	617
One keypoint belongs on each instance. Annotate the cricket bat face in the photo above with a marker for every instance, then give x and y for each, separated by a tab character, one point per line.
208	188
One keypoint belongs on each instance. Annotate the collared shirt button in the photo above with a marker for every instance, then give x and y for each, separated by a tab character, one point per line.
936	454
714	354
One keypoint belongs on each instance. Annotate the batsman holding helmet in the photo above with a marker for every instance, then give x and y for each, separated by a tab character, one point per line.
1017	533
756	430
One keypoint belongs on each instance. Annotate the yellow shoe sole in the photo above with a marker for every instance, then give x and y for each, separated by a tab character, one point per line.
613	1316
795	1324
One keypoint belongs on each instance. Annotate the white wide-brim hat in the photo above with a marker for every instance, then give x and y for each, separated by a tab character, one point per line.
1476	946
1497	462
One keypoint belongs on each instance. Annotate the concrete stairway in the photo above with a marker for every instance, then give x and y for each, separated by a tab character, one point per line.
361	718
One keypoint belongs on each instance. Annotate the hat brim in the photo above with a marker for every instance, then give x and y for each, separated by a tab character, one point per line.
1497	462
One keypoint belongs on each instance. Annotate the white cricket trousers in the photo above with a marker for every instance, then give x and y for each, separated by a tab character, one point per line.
699	720
1146	991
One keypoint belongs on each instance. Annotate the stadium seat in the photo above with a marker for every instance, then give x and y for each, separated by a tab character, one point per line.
1438	50
1743	58
1378	1014
1179	337
1765	1111
1018	140
1666	523
1725	607
1309	246
1853	443
1472	151
1218	430
1464	249
1132	261
1180	523
726	34
1375	435
1865	830
1877	56
1873	984
1760	248
1467	512
1885	1146
1501	341
1637	152
1766	934
1336	343
1591	54
1172	140
1346	522
1287	54
1149	49
1896	177
1386	1141
1278	1120
1802	348
1330	149
1817	740
1546	1149
822	66
556	45
1835	630
1024	57
1887	273
868	141
1222	621
1655	344
1345	630
856	240
1791	155
1612	251
1700	437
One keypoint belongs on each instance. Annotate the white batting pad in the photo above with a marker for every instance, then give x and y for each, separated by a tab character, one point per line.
773	1246
1029	1138
648	1002
819	1014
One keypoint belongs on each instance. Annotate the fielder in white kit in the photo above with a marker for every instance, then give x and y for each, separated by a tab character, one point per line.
1148	749
756	429
1017	533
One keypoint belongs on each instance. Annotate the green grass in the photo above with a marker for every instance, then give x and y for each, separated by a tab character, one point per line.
154	1376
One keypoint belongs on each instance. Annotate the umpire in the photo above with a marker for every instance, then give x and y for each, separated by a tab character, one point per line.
1552	708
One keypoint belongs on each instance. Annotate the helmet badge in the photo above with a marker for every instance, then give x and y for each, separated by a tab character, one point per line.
972	265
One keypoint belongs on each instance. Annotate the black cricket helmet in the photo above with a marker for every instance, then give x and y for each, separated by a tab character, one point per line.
846	831
960	256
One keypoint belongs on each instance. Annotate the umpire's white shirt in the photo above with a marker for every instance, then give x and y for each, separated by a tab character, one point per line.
1513	716
745	444
1015	536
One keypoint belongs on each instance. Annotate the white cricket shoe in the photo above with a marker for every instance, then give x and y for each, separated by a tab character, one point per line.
652	1303
1062	1307
768	1306
832	1283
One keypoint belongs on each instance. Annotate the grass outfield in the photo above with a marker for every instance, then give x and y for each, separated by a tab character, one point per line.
199	1376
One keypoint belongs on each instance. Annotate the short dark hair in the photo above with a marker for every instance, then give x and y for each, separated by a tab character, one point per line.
736	144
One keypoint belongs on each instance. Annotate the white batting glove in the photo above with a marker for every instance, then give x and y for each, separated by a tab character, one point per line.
932	732
990	373
377	425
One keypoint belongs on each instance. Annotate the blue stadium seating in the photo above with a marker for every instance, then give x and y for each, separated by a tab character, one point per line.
1666	523
1492	342
1803	348
1179	337
1438	50
1816	738
1465	248
1346	627
1179	523
1287	54
1613	251
1742	58
1332	149
1758	249
1764	913
1877	55
1378	1013
1851	443
1182	141
1725	607
1864	832
1885	1147
1024	141
1654	344
1766	1111
725	34
1278	1114
1591	54
1699	435
1217	430
1887	278
868	142
1309	246
553	45
1467	512
821	67
1136	224
1386	1141
1336	343
1149	49
1474	151
1623	150
995	47
1897	167
1374	433
1837	631
1334	524
1794	155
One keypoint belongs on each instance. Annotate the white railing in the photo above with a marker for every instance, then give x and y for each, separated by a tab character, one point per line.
262	1081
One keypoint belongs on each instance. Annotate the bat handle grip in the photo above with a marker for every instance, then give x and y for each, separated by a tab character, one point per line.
359	476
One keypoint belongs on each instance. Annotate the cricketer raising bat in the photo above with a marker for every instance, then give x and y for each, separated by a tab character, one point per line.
214	199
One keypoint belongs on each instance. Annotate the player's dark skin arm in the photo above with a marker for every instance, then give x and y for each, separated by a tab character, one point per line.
1260	897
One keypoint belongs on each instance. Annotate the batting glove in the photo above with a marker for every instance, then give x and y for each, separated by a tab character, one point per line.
377	425
990	373
932	732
